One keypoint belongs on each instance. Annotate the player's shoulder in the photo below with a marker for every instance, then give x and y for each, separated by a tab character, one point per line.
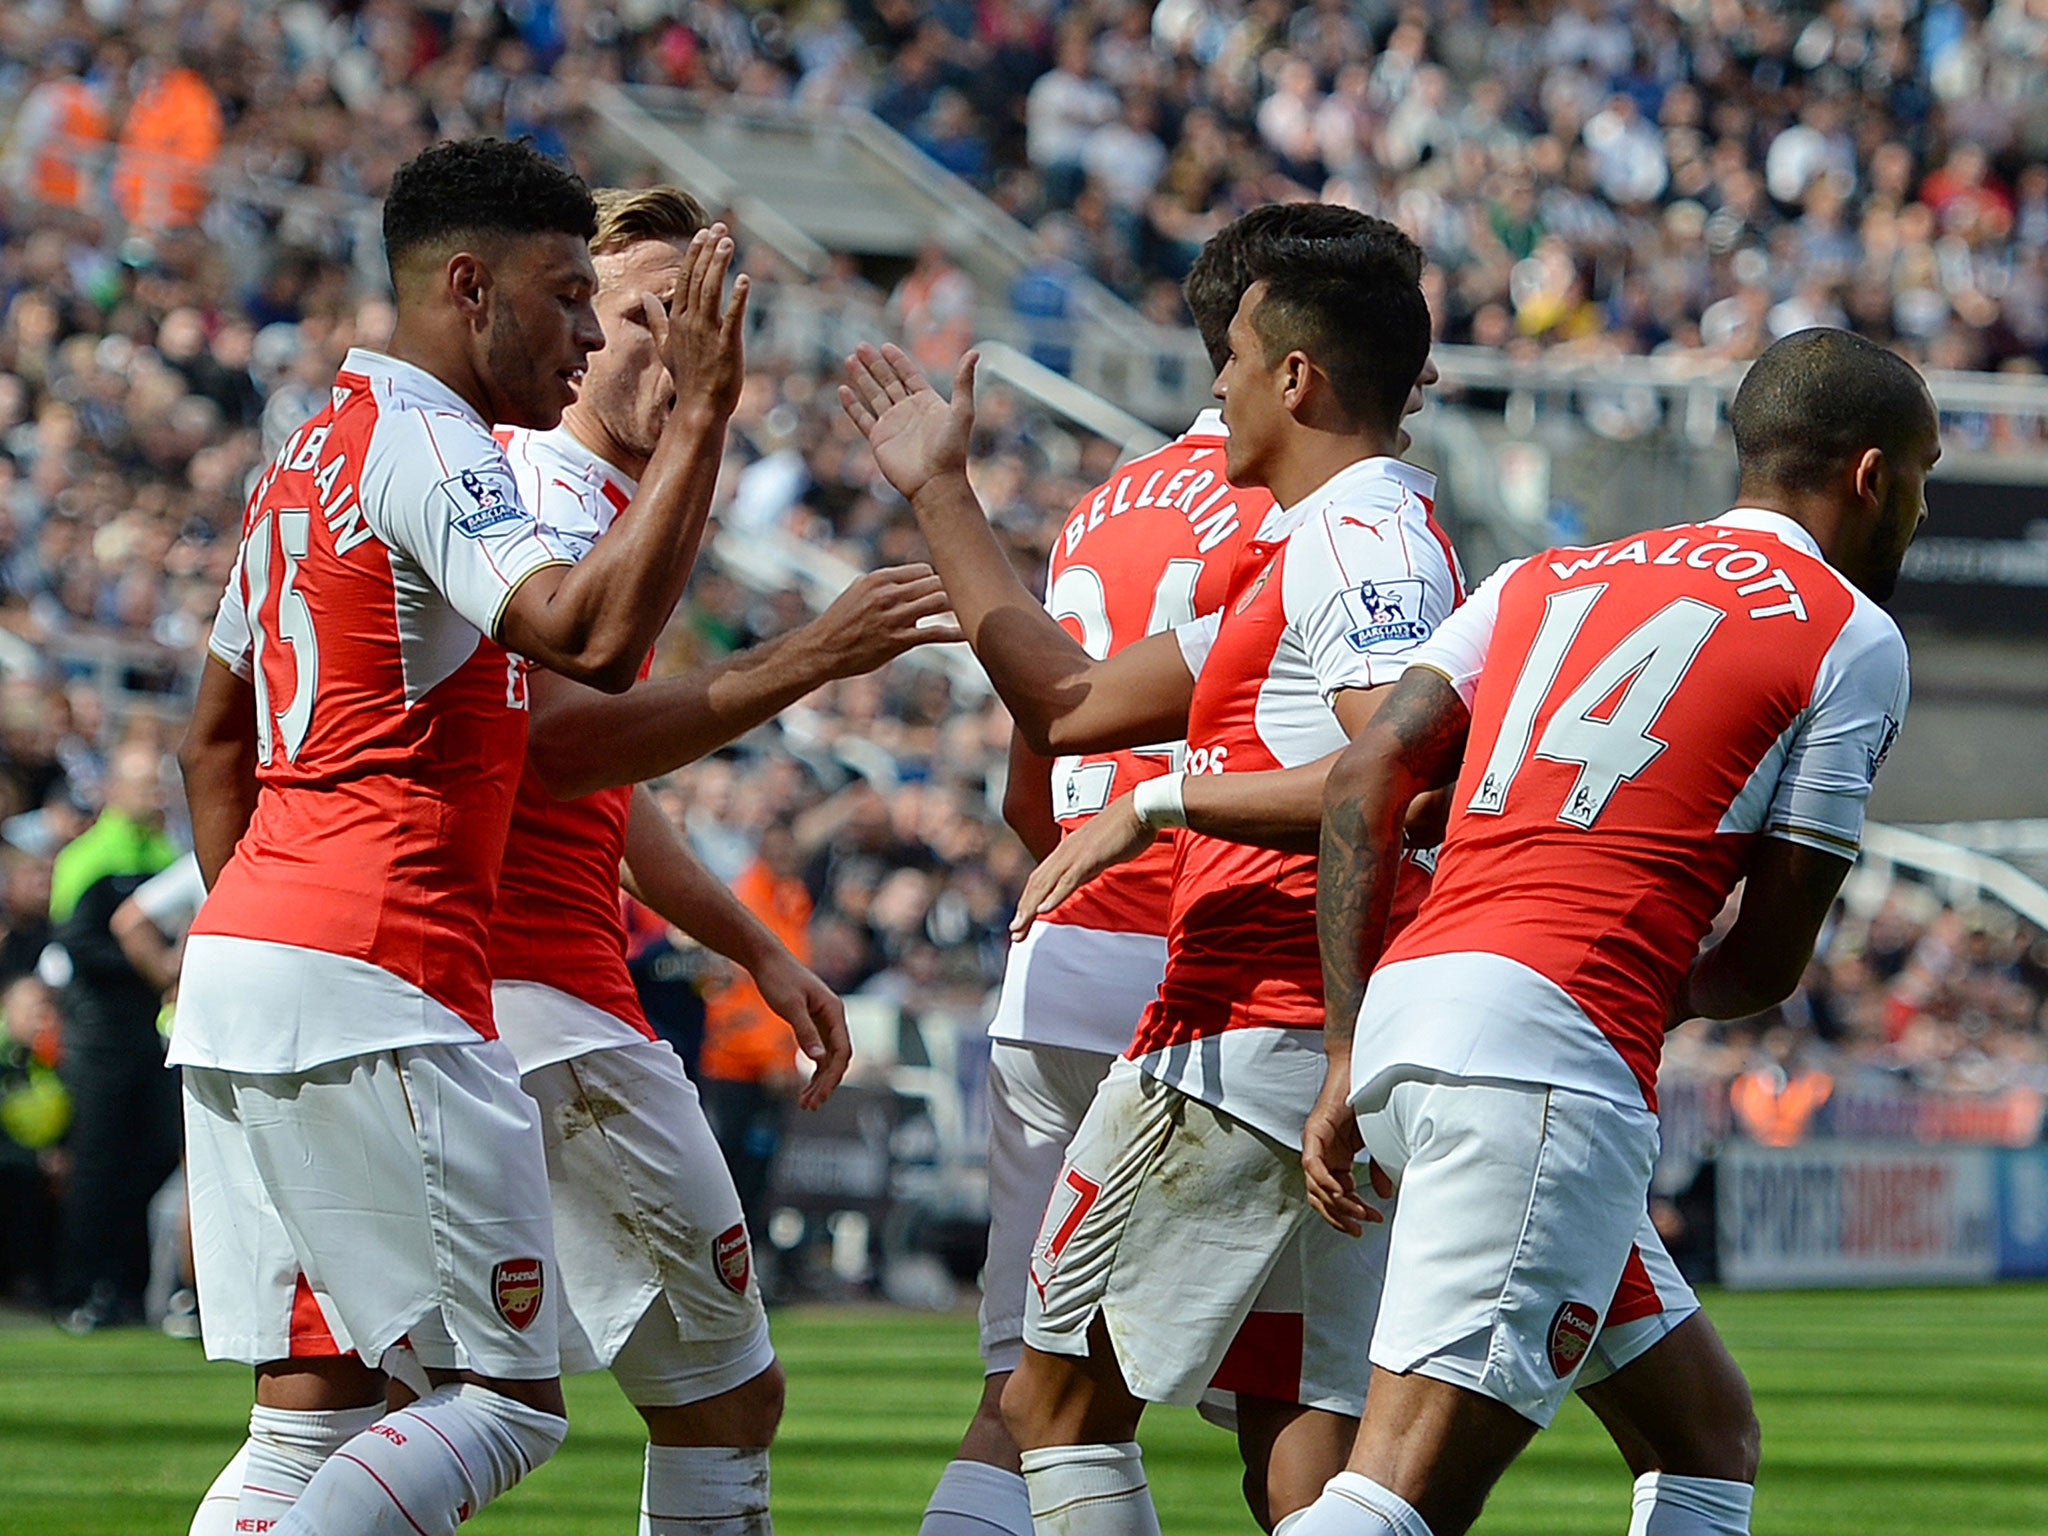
1870	643
1377	514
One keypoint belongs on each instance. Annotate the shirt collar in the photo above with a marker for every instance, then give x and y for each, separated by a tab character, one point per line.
1208	424
1776	524
1355	477
413	379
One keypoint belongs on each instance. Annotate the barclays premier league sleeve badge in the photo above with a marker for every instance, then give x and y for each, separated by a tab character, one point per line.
1383	614
483	499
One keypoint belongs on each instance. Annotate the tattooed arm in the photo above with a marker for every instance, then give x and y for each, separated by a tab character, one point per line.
1412	744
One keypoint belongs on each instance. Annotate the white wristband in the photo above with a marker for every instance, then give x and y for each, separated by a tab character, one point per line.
1159	803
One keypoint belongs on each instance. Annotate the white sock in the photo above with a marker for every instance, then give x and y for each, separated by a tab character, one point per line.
705	1490
1354	1505
1089	1490
423	1470
216	1513
976	1499
1690	1506
284	1449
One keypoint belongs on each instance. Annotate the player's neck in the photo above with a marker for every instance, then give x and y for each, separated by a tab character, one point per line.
450	364
1819	515
1313	458
588	429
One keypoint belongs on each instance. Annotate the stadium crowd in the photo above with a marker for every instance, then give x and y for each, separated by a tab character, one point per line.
1590	176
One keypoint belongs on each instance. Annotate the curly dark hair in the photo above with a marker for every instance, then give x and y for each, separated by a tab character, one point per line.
478	188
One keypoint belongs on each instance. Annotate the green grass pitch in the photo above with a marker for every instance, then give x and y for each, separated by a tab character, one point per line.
1922	1411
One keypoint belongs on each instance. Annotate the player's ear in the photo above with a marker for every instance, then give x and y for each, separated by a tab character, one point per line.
469	281
1872	478
1298	374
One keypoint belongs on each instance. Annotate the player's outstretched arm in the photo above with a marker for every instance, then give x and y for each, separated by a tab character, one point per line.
1412	744
663	872
218	762
595	620
583	740
1061	700
1786	897
1280	808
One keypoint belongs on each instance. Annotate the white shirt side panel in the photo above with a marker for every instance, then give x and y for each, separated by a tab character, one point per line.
1083	988
542	1025
272	1008
1473	1014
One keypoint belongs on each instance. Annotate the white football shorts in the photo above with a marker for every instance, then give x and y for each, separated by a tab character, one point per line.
1190	1233
658	1280
1521	1212
1037	1097
409	1189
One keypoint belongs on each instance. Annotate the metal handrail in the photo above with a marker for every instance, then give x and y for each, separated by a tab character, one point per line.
1059	394
1889	847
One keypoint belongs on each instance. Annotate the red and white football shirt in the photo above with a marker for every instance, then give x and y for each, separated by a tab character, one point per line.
1641	712
558	925
378	554
1148	550
1335	592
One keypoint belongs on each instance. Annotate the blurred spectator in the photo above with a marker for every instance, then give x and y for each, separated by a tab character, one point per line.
35	1112
1915	992
747	1069
60	133
124	1134
168	143
933	311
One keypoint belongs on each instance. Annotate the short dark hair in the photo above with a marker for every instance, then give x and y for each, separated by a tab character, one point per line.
477	189
1817	400
1355	306
1254	245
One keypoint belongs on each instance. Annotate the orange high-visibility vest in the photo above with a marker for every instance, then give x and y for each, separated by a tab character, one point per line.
62	168
167	148
1777	1112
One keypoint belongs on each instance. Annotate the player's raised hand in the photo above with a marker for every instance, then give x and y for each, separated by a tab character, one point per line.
882	615
1108	838
917	437
699	336
1330	1144
802	1000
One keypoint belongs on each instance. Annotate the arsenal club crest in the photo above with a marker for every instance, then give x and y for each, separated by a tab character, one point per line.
734	1258
1571	1334
517	1286
1252	592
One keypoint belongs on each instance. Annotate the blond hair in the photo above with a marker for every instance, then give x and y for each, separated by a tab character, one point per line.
625	218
